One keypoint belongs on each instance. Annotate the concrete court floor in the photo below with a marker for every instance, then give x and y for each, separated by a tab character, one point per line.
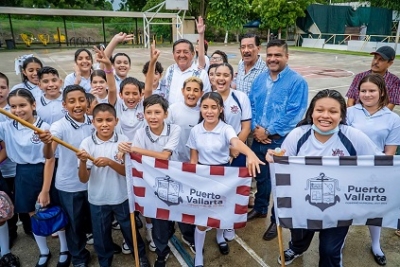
321	70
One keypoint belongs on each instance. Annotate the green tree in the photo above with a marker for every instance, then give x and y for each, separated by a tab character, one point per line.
391	4
229	15
278	14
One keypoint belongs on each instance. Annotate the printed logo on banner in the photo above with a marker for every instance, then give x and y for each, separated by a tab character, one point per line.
322	191
366	194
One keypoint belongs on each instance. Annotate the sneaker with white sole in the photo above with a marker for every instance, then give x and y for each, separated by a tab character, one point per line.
191	245
290	256
229	234
149	238
115	225
125	249
89	239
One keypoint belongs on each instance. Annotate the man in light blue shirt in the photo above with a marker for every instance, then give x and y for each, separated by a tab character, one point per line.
278	99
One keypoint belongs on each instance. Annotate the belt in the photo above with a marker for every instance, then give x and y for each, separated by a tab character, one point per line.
274	136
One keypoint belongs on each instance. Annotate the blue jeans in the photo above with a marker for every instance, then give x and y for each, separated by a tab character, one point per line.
263	178
331	241
102	218
76	206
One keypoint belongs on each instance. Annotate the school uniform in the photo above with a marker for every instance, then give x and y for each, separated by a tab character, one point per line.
25	149
85	82
33	88
102	100
118	81
50	110
347	142
108	197
130	119
72	193
168	140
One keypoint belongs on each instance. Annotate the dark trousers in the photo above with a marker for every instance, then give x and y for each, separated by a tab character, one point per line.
187	231
162	232
76	206
102	218
331	241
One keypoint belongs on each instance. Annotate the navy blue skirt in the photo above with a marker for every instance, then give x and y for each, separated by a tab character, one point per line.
28	184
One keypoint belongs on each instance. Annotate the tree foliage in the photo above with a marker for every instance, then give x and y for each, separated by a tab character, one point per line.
228	14
391	4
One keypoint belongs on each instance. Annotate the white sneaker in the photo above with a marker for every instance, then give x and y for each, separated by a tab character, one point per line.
89	239
125	249
229	234
115	225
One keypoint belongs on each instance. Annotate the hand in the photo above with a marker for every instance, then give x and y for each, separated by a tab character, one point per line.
101	162
120	156
260	135
123	37
82	155
125	147
269	157
94	91
102	58
253	164
45	136
201	27
77	74
43	198
154	53
234	152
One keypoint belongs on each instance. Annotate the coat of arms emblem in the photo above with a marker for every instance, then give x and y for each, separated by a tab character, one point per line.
322	191
168	190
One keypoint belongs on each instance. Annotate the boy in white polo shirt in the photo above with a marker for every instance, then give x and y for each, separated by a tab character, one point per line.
106	181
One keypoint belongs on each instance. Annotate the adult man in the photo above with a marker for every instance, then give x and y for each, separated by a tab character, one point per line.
278	99
383	59
176	74
251	64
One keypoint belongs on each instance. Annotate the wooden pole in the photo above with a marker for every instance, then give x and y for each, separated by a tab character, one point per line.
134	238
280	241
34	128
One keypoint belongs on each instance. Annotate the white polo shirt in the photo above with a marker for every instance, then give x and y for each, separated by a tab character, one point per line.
70	80
118	81
174	78
105	185
383	127
237	108
7	167
130	119
167	140
33	88
102	100
212	146
333	147
50	110
72	132
186	117
22	144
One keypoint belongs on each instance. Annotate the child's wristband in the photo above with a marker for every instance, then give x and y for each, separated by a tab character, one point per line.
108	71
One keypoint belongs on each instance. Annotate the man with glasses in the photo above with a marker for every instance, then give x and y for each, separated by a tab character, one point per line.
251	64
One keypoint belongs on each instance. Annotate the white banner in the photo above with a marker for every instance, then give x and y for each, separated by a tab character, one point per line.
214	196
325	192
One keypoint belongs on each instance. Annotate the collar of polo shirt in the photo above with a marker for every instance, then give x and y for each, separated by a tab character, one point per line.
216	130
98	141
75	124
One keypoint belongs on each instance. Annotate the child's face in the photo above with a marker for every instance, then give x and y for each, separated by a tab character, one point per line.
89	110
4	91
22	108
157	77
155	116
31	71
210	110
121	66
50	85
84	62
76	105
131	95
99	85
211	76
223	79
104	122
191	93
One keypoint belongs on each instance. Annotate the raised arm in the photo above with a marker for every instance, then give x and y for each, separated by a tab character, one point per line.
118	38
154	54
201	28
108	69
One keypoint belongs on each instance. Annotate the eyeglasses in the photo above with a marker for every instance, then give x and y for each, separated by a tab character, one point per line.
216	58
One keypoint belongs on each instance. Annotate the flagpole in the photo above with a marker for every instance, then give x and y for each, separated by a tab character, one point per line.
34	128
280	241
134	238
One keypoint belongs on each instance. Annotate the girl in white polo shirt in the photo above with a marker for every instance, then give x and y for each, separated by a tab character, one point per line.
382	126
26	150
209	144
30	68
83	69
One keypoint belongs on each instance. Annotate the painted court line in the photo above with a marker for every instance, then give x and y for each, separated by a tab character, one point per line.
177	255
252	253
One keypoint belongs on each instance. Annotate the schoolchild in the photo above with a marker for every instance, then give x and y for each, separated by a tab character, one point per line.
72	128
49	105
157	88
91	104
158	140
209	144
106	181
211	76
32	183
323	132
82	70
30	68
372	116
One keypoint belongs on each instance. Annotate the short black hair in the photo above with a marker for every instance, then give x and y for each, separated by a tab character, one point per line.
250	35
3	76
71	88
154	100
47	70
222	54
90	98
130	80
120	54
278	43
183	41
159	67
104	107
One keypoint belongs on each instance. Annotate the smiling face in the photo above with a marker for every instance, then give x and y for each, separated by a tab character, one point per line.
183	56
84	62
99	85
370	95
104	122
76	105
121	66
326	114
223	79
277	58
50	85
31	71
210	111
249	51
211	76
4	90
22	108
155	116
131	95
192	93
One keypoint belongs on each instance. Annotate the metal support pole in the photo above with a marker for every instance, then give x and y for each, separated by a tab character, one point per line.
65	30
397	36
12	30
104	31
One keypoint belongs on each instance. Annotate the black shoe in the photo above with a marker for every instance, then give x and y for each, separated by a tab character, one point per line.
271	232
144	262
67	262
381	260
13	237
255	214
161	261
117	248
223	248
47	256
10	260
